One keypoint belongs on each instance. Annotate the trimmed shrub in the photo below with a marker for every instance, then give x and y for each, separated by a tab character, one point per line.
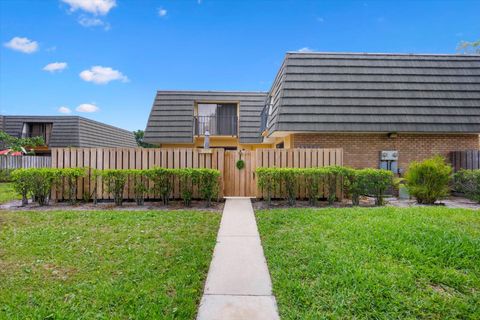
314	179
208	183
189	178
41	182
140	184
288	178
334	177
69	177
375	182
354	184
162	182
468	182
22	184
5	175
114	181
267	180
428	181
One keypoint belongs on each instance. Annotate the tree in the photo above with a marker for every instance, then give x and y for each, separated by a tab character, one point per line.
469	47
18	144
139	134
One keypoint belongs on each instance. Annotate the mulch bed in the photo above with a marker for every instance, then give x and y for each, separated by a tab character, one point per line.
109	205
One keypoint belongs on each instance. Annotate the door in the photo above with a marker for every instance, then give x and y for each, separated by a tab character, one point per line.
239	182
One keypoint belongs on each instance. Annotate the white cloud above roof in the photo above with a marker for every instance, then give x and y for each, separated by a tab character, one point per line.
102	75
97	7
24	45
65	110
55	67
162	12
87	107
305	49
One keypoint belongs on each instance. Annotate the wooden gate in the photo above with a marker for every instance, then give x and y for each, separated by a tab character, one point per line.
242	183
239	182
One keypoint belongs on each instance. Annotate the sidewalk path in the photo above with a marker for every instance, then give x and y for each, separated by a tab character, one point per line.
238	283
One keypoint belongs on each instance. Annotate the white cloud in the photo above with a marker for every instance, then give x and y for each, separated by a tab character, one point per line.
51	49
64	110
162	12
101	7
24	45
305	49
90	22
55	66
87	107
102	75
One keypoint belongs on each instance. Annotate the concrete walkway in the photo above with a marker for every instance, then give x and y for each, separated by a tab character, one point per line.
238	283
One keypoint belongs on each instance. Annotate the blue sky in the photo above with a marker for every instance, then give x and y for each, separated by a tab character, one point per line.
141	46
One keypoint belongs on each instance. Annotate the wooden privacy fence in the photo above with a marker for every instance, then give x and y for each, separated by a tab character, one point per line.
298	158
131	158
17	162
243	182
233	182
465	159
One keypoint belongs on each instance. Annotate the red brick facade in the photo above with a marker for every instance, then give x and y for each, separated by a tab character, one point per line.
363	150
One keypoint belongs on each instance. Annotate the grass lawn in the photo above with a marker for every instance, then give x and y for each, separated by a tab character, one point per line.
104	264
381	263
7	193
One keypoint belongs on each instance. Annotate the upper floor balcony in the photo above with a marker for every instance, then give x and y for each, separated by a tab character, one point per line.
216	125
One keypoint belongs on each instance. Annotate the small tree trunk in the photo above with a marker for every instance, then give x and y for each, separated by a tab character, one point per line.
24	199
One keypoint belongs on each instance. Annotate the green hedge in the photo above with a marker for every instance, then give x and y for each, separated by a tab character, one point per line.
324	181
468	182
38	183
429	180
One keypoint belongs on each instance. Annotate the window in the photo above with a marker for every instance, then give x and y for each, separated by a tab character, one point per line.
32	129
216	119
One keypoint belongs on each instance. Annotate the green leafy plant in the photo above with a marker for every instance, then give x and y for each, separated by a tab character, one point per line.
16	144
314	180
69	177
163	182
5	175
240	164
354	184
22	184
114	181
334	176
189	178
428	181
209	183
42	181
468	182
288	178
267	180
375	182
140	185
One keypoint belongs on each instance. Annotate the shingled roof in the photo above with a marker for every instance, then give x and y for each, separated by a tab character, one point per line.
344	92
171	117
72	131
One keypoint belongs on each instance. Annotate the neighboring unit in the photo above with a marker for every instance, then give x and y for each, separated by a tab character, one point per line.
183	118
67	131
416	105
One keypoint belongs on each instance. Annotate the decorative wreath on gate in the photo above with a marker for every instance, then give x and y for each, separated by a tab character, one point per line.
240	163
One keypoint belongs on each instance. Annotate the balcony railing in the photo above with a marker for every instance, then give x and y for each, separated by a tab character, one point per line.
216	125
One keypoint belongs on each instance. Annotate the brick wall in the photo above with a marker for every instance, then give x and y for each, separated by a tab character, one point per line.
363	150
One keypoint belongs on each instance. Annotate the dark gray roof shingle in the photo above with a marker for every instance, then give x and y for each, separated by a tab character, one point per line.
171	117
320	92
74	131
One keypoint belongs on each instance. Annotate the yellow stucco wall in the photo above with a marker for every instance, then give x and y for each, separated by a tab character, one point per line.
219	142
